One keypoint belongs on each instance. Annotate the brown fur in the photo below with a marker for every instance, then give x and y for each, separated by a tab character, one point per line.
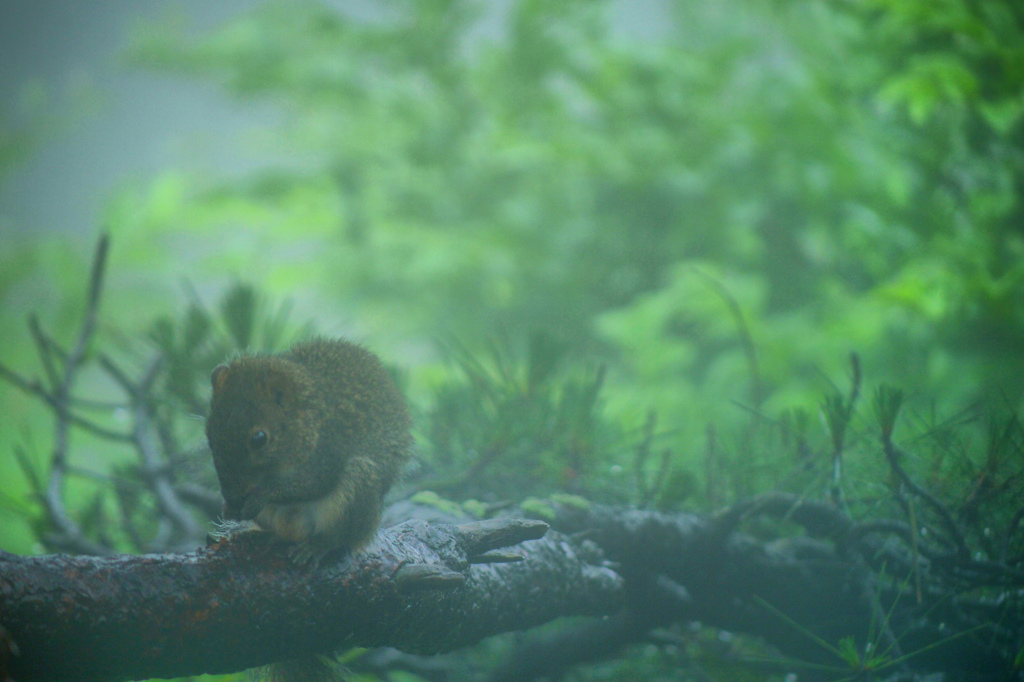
307	443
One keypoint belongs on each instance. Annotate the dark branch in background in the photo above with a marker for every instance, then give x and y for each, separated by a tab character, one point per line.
843	579
67	533
154	465
241	603
34	387
953	532
664	602
181	506
46	349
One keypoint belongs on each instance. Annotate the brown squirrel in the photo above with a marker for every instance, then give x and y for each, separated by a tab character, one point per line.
306	443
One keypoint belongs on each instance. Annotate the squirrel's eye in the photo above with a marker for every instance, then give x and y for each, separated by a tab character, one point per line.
258	439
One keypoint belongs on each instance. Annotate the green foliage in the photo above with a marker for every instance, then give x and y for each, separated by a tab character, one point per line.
718	212
502	423
429	497
725	211
194	342
887	403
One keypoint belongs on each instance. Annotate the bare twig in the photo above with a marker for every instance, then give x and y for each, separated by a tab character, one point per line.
154	467
68	530
28	470
33	387
45	349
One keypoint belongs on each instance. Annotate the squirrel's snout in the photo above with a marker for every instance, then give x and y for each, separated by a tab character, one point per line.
242	506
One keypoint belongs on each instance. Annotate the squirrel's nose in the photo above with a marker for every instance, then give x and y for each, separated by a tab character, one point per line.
237	503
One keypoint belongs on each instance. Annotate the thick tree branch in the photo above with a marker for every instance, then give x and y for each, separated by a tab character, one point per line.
240	603
781	590
426	588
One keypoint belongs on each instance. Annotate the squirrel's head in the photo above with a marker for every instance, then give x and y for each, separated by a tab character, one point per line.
263	430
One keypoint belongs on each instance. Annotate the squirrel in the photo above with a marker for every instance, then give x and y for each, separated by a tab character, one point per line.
306	443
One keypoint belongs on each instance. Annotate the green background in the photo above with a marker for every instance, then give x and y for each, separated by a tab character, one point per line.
718	209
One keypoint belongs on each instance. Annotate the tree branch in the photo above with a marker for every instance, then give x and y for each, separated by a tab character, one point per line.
783	590
240	603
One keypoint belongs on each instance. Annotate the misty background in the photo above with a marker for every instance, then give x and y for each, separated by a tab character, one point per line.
58	56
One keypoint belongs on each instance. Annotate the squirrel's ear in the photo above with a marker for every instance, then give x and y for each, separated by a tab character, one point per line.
277	385
218	377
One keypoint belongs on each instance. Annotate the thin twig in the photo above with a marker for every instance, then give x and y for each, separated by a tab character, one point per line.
54	495
28	470
154	466
102	405
33	387
44	348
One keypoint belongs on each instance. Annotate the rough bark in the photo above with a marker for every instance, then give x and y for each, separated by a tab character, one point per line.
426	588
240	603
797	593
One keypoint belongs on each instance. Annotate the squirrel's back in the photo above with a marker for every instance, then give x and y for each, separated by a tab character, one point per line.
362	407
